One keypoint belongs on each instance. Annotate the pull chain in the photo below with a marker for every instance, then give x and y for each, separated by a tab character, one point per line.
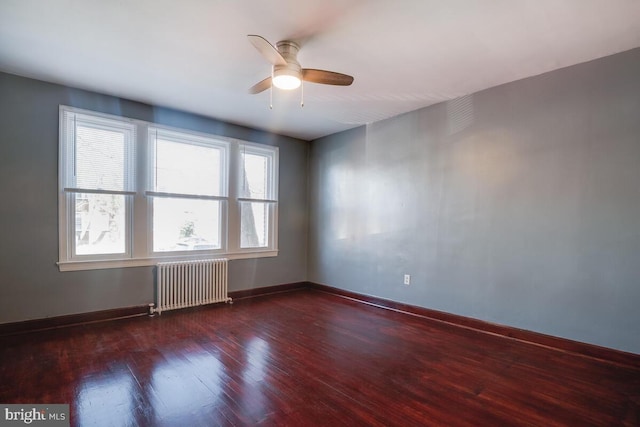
301	93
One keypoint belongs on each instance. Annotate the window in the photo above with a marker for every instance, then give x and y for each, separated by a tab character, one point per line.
98	181
133	193
189	191
257	196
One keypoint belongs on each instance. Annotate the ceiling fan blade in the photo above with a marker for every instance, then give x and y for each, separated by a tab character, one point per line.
267	50
326	77
260	86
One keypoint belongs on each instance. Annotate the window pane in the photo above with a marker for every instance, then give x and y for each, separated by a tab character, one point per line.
254	226
100	158
187	168
255	183
185	224
100	224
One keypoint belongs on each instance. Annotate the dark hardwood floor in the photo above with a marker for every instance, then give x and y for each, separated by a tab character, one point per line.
306	358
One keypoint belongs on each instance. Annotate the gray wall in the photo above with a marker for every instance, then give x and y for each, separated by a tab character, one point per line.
518	205
30	284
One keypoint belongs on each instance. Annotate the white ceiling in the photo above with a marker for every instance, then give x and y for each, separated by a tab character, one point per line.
193	55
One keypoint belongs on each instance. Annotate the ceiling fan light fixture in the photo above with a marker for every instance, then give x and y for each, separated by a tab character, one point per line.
286	79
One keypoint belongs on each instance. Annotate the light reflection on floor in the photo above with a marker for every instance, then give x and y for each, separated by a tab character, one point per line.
178	388
186	385
106	400
255	402
257	351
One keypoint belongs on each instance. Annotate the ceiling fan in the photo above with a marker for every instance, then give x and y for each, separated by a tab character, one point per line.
286	71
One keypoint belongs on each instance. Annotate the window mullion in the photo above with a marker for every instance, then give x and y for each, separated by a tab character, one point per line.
233	207
140	226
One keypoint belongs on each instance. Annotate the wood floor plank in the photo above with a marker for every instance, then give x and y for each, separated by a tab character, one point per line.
306	358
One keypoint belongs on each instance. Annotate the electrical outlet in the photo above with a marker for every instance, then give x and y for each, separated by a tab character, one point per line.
407	279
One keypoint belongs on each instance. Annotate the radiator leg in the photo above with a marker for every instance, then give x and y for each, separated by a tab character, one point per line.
153	310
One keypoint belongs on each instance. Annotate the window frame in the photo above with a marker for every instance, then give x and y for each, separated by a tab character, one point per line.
68	186
139	199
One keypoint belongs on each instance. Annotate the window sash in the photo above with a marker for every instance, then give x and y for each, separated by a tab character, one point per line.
259	232
270	174
156	134
220	244
70	121
73	232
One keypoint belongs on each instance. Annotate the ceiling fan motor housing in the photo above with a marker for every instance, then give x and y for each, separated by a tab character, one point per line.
289	51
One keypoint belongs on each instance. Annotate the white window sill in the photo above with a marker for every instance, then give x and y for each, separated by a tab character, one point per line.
144	262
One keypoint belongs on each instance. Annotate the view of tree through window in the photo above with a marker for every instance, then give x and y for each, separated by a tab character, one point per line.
100	224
